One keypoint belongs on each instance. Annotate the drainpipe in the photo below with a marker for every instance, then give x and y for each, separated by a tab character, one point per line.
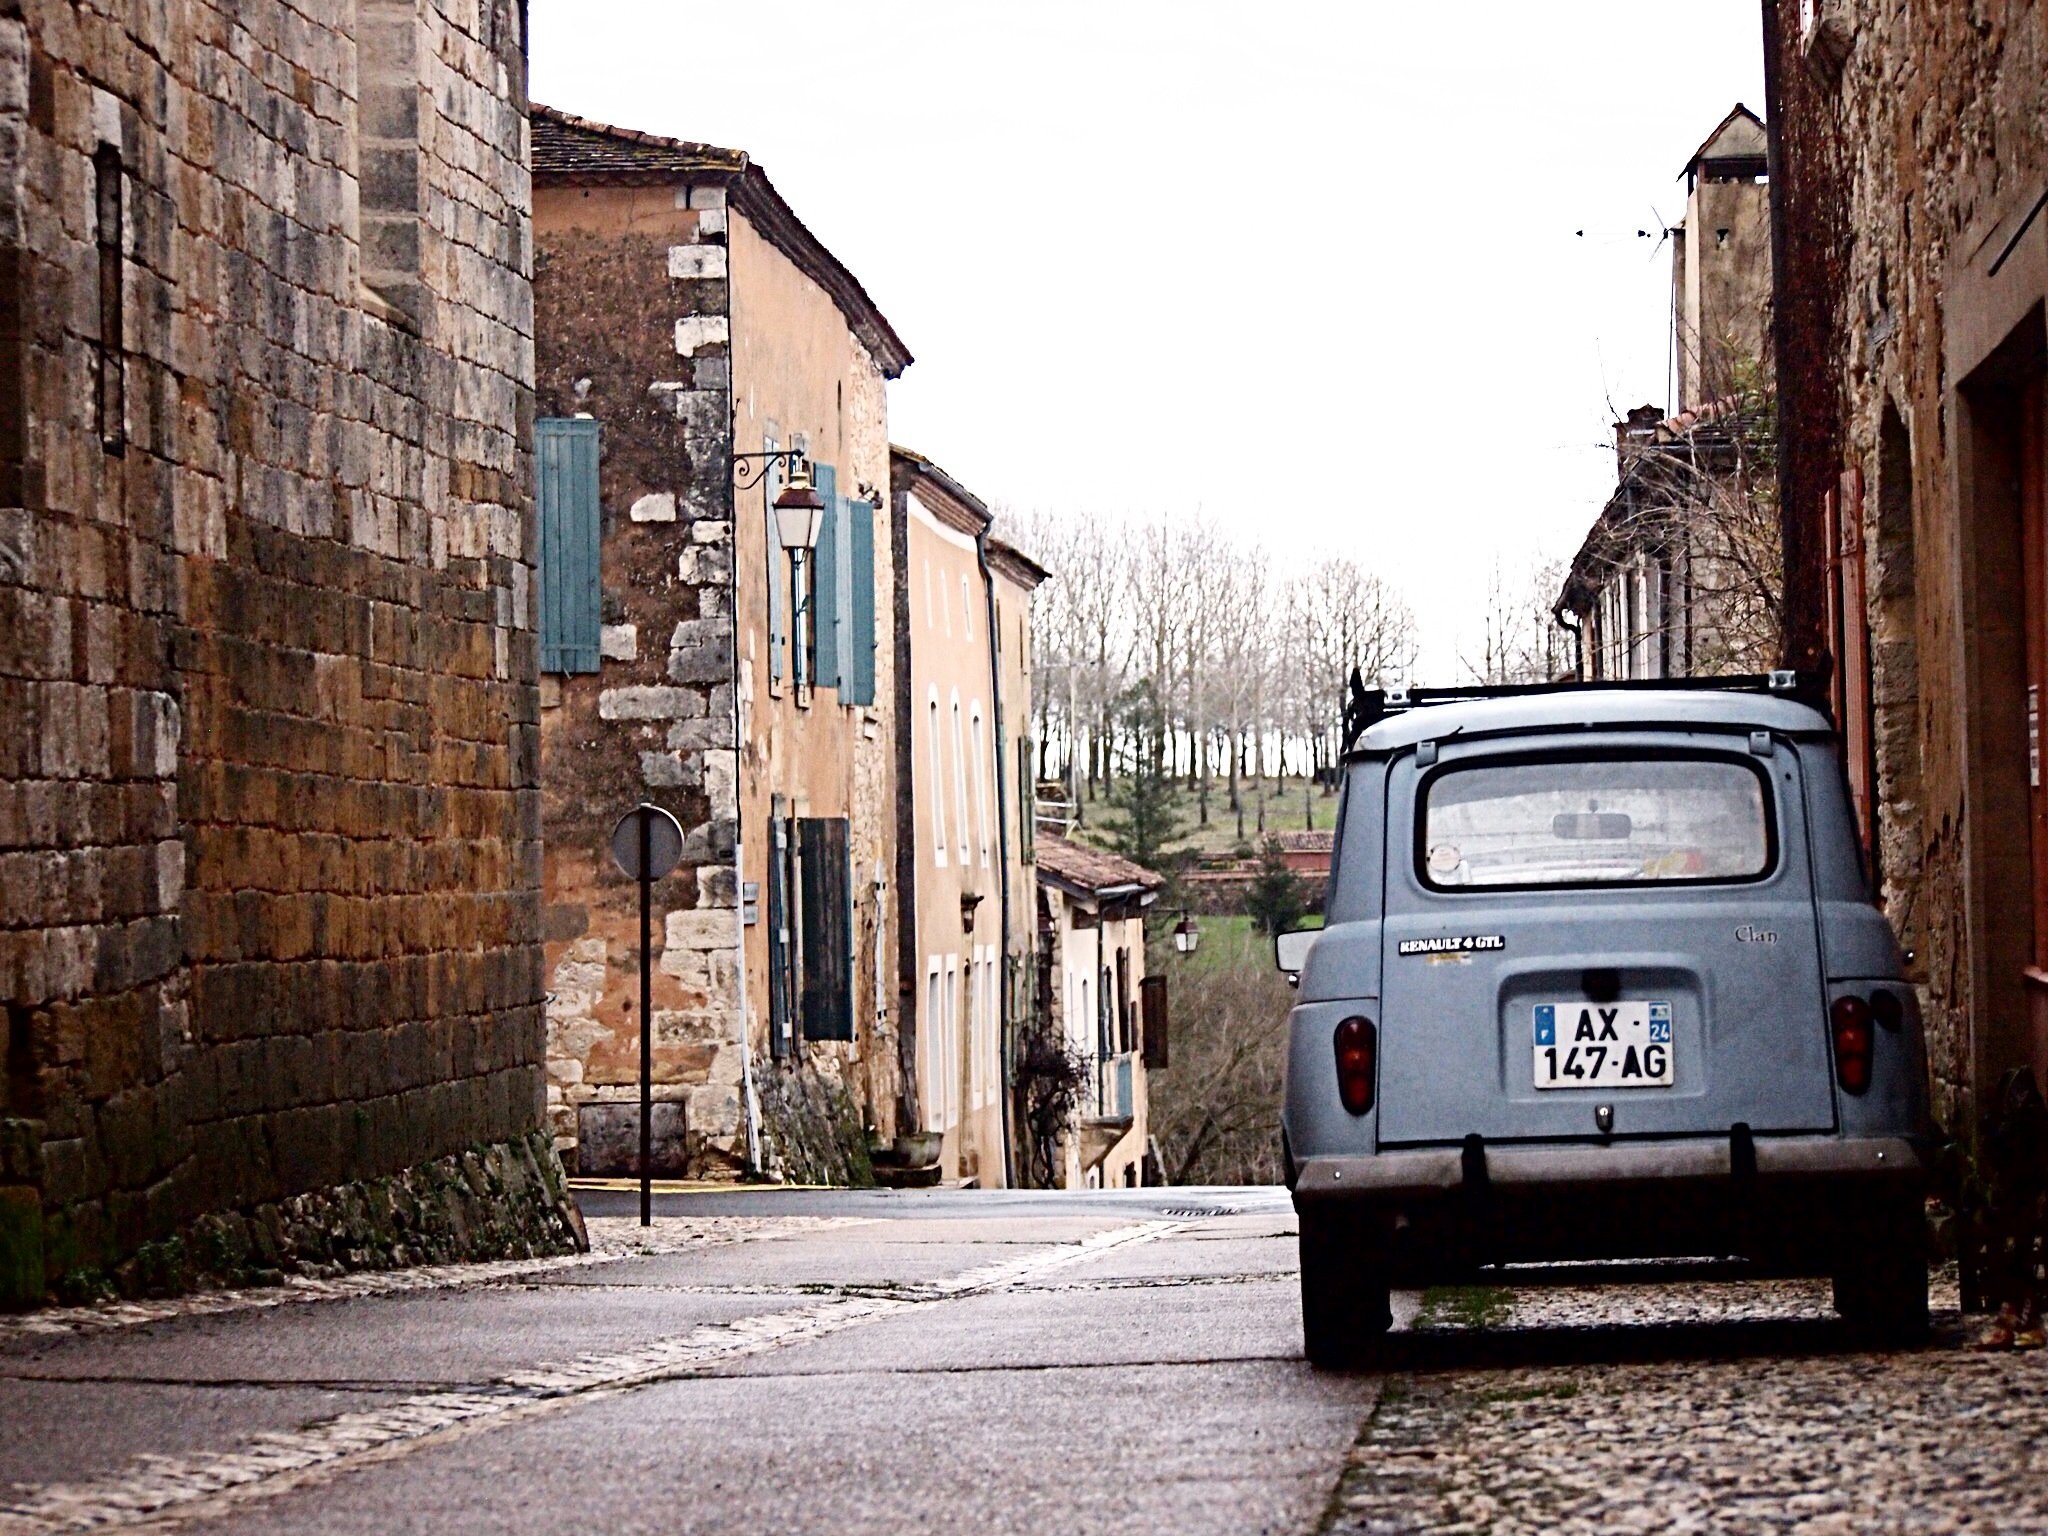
750	1100
995	686
1578	634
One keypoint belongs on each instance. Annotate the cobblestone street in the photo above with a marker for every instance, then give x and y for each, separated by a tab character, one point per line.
1694	1407
845	1362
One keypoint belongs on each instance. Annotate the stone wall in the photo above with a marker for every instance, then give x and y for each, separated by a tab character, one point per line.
631	294
269	854
1917	141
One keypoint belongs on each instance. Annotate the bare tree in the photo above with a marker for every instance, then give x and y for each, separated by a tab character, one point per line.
1521	638
1694	524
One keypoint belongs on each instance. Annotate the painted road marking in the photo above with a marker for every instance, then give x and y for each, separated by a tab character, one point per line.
163	1490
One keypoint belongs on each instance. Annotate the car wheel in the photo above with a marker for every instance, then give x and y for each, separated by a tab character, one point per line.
1881	1287
1345	1312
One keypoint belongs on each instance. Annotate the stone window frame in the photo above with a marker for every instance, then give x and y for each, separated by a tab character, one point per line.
110	362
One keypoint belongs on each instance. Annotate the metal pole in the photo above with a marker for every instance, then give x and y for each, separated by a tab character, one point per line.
646	1021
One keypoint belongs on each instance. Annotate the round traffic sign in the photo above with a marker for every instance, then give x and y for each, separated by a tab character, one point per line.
648	828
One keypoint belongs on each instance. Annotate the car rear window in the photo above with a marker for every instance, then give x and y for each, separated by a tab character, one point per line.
1623	821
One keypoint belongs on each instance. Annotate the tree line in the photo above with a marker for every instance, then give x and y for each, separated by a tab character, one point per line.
1174	647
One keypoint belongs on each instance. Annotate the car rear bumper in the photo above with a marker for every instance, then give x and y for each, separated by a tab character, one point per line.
1795	1204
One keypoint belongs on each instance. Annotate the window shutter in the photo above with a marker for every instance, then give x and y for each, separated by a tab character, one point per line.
827	903
826	566
1152	1005
859	687
778	580
1027	800
566	451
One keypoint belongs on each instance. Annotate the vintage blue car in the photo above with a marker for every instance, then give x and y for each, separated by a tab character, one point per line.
1600	978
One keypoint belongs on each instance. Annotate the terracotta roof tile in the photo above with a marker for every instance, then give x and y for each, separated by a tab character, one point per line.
1090	869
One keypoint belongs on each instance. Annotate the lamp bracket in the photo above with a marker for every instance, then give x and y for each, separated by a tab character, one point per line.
750	469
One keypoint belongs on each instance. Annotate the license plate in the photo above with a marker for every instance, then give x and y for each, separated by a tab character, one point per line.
1603	1045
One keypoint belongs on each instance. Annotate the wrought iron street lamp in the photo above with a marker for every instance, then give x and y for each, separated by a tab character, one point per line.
799	512
1186	935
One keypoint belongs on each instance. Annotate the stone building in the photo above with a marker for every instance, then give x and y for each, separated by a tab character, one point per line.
1678	575
964	814
1721	262
1096	997
697	346
1911	150
269	869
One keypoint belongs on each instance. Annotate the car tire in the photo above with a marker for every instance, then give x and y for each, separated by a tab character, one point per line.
1881	1285
1345	1308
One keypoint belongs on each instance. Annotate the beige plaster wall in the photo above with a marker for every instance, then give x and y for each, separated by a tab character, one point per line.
797	368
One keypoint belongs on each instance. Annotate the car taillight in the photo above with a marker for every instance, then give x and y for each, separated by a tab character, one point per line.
1356	1047
1851	1019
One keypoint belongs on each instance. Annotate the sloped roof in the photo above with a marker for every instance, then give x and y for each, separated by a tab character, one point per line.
1708	427
571	149
1091	870
1739	136
1323	841
965	511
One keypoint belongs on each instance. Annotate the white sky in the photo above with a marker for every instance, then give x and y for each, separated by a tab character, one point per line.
1311	268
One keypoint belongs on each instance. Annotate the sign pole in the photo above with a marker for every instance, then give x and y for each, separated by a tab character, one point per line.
646	844
646	1020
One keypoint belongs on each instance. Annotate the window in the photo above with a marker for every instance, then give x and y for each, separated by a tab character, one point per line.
938	785
949	1055
826	935
566	450
981	784
781	945
966	610
1027	798
389	187
1595	821
975	1024
959	785
932	1047
1152	1010
110	403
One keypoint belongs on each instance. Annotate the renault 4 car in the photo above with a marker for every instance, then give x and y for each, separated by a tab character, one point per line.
1600	978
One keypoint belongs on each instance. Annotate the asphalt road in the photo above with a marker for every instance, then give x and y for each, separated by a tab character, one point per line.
842	1362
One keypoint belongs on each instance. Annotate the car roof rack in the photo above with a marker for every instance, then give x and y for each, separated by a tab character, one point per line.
1367	707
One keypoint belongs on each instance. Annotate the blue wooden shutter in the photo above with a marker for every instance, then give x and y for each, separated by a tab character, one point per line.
566	448
859	687
778	580
825	910
825	569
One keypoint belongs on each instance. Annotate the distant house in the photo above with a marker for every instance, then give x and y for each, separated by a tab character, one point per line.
1681	572
964	815
1096	997
1307	853
698	347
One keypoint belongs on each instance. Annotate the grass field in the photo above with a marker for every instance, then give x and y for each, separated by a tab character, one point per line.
1285	802
1228	943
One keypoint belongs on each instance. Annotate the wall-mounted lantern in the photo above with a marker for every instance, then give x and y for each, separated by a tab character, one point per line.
1186	935
799	512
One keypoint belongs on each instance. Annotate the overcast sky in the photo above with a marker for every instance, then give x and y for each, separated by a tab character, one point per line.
1313	269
